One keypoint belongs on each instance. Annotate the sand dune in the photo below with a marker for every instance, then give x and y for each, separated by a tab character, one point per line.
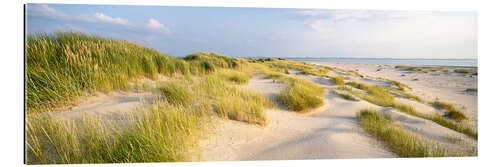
330	132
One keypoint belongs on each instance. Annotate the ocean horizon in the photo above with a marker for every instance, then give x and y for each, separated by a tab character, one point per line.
398	61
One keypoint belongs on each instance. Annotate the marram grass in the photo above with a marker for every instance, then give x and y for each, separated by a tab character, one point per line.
399	140
65	65
162	133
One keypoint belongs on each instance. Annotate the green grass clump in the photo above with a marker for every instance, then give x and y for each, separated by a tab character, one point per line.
466	71
358	85
356	73
400	93
204	62
231	102
162	133
338	80
452	112
177	92
400	141
235	76
347	96
299	97
400	85
62	66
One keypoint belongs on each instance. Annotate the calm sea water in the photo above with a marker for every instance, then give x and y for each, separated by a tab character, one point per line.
420	62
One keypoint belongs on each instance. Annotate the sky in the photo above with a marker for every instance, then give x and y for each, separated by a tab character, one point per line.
269	32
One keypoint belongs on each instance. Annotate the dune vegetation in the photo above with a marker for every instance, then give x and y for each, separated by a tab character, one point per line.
65	66
380	96
187	94
299	94
402	142
452	112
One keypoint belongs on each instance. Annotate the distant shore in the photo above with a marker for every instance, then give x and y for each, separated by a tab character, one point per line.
465	63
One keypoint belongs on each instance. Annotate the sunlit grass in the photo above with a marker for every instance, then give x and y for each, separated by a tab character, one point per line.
378	96
163	133
402	142
63	66
452	112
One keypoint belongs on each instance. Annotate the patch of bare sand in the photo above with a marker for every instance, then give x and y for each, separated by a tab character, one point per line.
331	132
113	106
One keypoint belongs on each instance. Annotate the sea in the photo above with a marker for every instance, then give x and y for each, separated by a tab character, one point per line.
416	62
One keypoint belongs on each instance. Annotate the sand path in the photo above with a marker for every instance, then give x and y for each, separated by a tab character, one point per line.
330	132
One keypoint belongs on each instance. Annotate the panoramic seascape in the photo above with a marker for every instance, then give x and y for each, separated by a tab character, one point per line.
129	84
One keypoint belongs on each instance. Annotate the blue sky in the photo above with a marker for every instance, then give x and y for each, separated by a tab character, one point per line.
265	32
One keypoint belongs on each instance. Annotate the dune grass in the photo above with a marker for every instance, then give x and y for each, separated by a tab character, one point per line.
400	93
381	97
234	76
452	112
338	80
400	141
177	92
400	85
472	71
300	97
232	102
346	95
163	133
63	66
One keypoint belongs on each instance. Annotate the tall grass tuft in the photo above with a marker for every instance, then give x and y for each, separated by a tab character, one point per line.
400	141
301	95
232	102
65	65
234	76
452	112
338	80
177	92
163	133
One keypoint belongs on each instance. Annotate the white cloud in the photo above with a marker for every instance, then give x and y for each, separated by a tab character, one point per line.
102	17
44	10
155	24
